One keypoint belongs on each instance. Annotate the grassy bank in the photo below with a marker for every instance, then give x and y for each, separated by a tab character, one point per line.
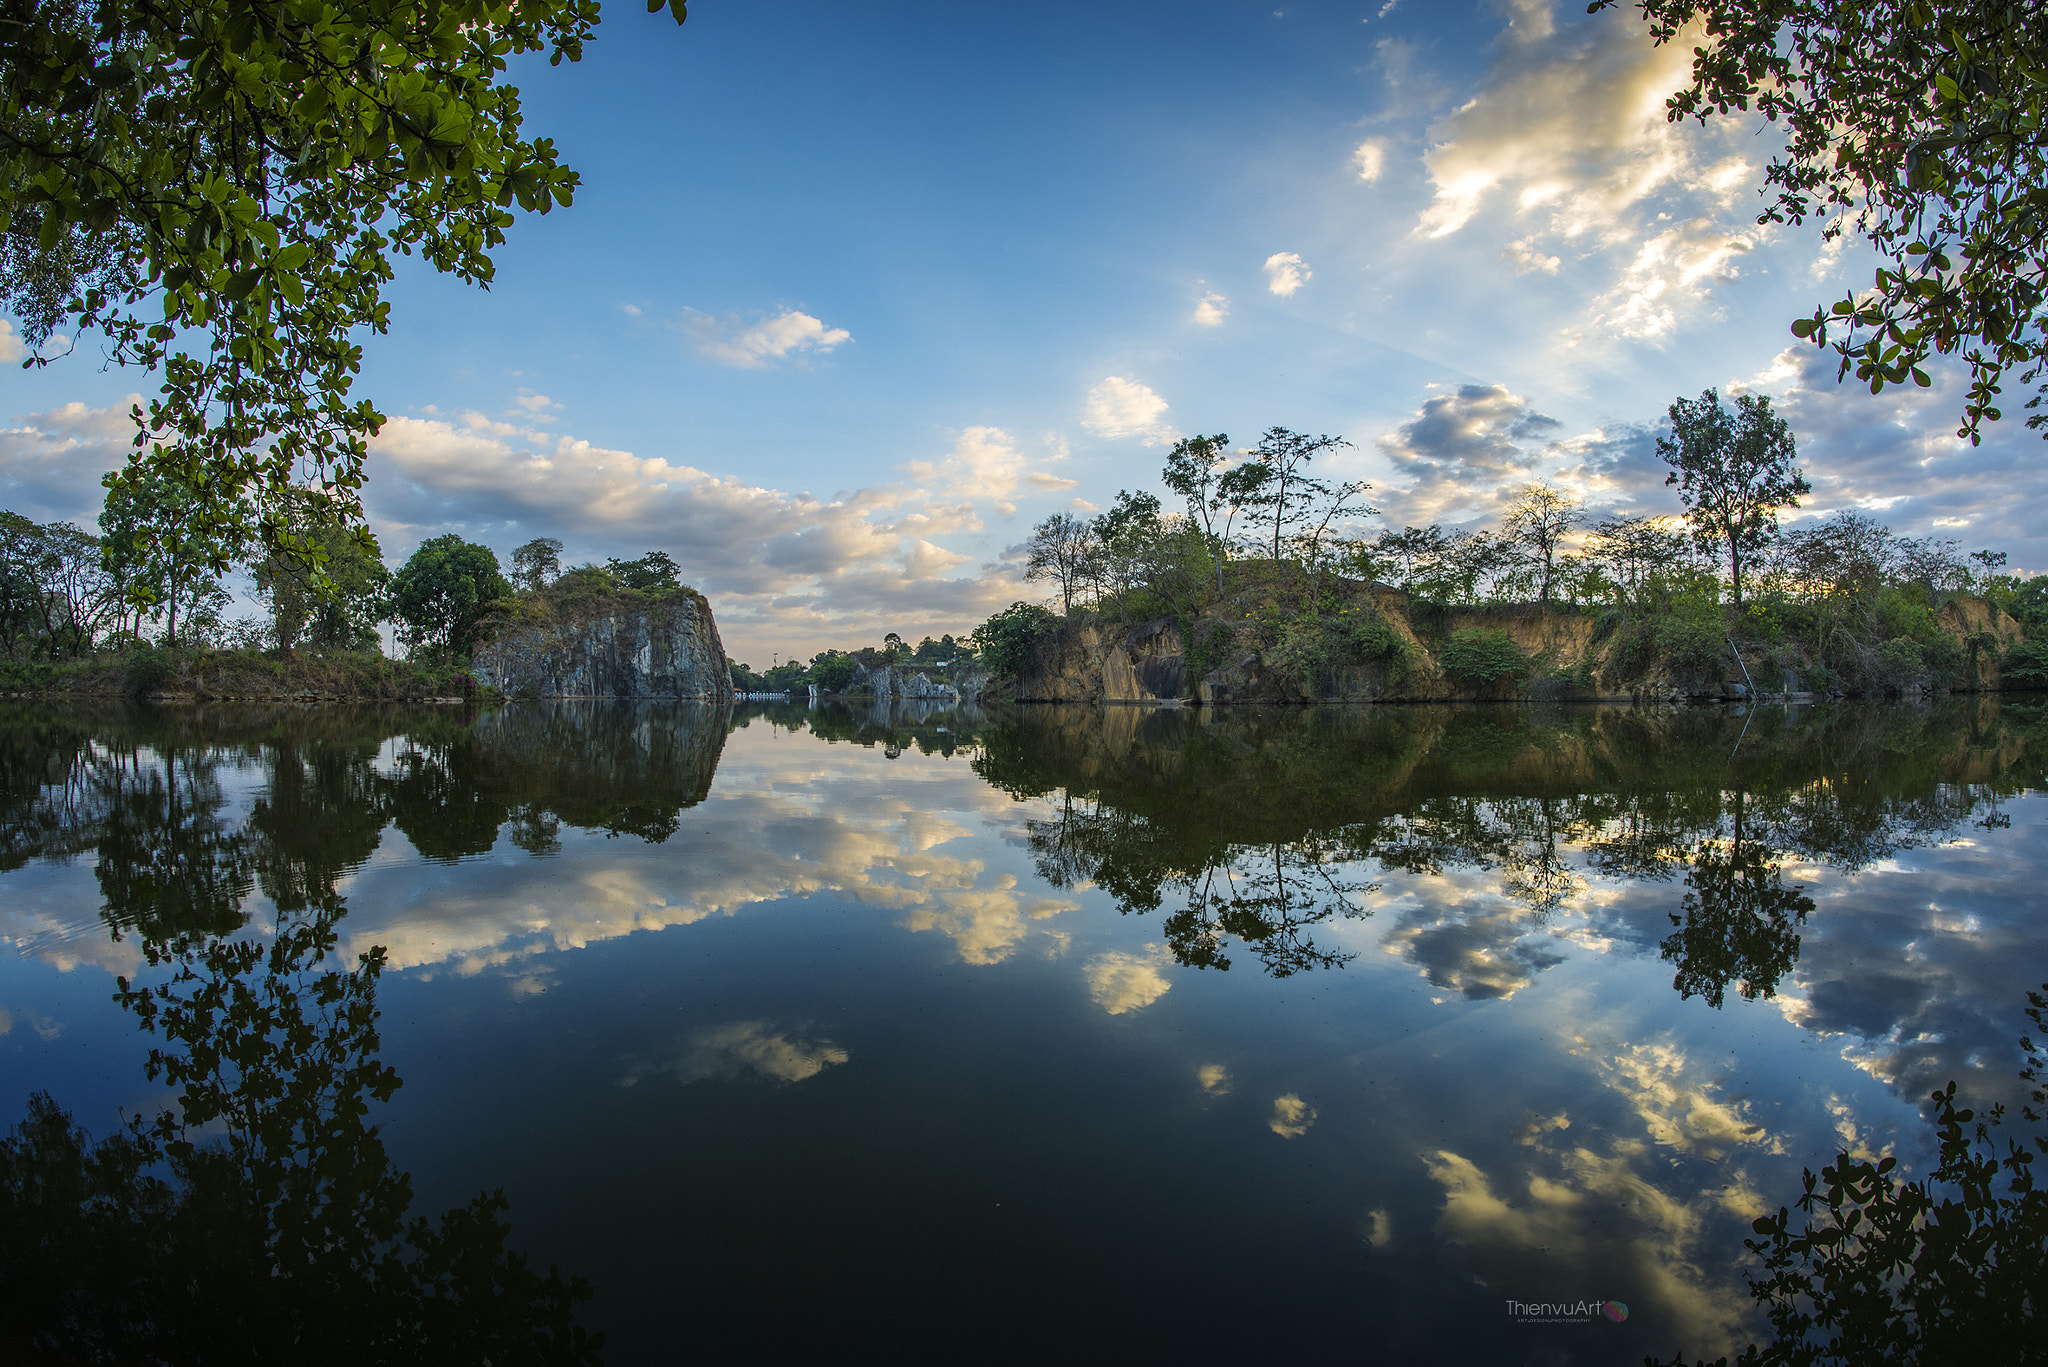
222	674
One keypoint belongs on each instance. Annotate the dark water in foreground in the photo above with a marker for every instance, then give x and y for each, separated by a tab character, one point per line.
1317	1033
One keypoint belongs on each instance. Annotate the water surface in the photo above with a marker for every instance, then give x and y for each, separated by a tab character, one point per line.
1118	1033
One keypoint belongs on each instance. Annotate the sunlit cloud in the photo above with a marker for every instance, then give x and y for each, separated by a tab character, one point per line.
1210	310
1369	160
729	340
1285	273
1122	409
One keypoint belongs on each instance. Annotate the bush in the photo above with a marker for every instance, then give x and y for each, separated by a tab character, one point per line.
1481	657
1009	640
2025	665
148	670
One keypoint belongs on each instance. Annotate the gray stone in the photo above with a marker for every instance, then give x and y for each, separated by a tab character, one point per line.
668	651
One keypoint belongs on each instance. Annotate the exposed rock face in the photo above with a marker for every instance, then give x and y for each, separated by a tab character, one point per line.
668	651
896	682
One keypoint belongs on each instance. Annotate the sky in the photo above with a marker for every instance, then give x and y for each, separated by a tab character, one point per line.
851	297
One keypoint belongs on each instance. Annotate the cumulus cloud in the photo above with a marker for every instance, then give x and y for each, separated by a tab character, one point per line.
730	340
1369	160
1568	135
787	567
1462	450
1122	982
11	348
1210	310
985	464
1285	273
51	462
1525	258
1121	408
1215	1079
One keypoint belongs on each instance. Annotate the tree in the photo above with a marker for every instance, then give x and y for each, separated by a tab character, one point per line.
537	563
334	603
1916	123
1008	641
159	541
1192	470
655	572
1635	550
1539	519
1061	548
441	595
1733	471
1125	538
218	190
1285	491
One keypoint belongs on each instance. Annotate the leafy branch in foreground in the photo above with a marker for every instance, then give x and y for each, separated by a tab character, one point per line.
1917	124
218	187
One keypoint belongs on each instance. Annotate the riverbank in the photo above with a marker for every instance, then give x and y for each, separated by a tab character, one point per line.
241	675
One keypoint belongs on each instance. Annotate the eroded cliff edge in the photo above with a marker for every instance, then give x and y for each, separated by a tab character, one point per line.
667	650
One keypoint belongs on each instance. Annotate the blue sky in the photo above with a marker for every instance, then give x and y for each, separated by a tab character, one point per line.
852	297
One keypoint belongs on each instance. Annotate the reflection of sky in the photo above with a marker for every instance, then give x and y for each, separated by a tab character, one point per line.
843	981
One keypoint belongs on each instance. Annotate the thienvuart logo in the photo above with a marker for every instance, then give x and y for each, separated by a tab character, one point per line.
1566	1312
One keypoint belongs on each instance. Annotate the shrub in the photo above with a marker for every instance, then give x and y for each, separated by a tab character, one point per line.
2025	665
1009	640
148	670
1481	657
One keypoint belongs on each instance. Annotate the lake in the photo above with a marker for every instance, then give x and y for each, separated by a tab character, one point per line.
1334	1033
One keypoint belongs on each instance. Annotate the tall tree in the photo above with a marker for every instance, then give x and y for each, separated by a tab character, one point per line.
1916	124
334	603
219	189
441	595
1734	471
1634	550
1193	468
1284	495
1540	518
1062	548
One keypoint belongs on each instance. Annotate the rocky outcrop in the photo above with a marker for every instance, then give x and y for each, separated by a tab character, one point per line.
670	650
1363	645
910	684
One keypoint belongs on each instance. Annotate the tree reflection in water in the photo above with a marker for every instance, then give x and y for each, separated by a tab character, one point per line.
1949	1268
261	1219
1265	827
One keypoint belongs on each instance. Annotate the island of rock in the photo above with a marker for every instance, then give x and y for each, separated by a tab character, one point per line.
666	650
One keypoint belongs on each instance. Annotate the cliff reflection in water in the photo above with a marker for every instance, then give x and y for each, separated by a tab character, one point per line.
1257	827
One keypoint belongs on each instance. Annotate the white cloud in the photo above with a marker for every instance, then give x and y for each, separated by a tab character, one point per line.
785	569
1568	137
1121	408
1210	310
754	346
1525	258
1122	982
1369	160
51	462
11	348
985	465
1285	273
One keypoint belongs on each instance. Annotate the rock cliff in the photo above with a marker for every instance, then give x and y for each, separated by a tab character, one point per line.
670	650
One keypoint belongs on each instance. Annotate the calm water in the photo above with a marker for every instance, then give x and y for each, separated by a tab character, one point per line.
1317	1033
